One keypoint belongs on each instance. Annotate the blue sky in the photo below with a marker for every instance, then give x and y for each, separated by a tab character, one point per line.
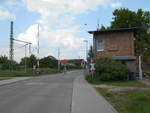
62	23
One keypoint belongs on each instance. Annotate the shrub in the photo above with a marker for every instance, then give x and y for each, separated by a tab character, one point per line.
93	79
108	69
48	71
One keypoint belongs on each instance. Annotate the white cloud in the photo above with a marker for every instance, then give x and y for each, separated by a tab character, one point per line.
59	6
13	4
66	21
56	19
51	10
116	4
8	7
6	15
30	35
49	38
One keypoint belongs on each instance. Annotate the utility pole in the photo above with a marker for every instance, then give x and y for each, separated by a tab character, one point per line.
140	68
98	24
11	53
25	64
86	48
29	49
58	59
38	64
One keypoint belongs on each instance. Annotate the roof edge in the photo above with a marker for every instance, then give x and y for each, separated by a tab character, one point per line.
114	30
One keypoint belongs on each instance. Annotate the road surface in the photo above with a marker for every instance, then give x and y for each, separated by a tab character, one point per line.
45	94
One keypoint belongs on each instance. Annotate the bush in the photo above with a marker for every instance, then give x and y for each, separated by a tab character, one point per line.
108	69
48	71
93	79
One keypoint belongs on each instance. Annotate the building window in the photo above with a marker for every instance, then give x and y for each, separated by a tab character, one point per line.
100	45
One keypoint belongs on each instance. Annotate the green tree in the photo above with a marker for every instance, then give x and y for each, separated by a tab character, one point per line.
102	28
48	62
30	61
23	60
90	54
5	63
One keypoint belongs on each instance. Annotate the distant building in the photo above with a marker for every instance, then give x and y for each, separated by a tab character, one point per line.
72	62
117	44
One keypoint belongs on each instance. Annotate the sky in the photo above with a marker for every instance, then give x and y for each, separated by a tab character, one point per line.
62	24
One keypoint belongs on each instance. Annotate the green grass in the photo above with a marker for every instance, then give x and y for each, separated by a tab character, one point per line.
134	101
15	74
5	78
124	83
29	73
93	79
132	83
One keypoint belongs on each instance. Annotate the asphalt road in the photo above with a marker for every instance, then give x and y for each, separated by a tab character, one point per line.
45	94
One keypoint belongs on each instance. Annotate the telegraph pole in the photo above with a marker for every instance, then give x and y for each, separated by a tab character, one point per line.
58	59
38	64
98	24
140	68
11	52
86	42
25	66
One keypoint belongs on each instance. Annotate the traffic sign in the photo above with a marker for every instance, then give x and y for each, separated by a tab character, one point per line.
92	66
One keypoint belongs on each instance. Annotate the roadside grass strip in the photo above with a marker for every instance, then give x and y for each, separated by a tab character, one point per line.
124	83
5	78
131	101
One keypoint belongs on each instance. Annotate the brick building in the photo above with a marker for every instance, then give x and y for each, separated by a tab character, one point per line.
117	44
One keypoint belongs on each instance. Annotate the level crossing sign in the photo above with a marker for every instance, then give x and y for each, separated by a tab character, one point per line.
92	66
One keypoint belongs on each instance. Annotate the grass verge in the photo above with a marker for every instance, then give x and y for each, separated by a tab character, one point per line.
29	73
124	83
134	101
5	78
16	74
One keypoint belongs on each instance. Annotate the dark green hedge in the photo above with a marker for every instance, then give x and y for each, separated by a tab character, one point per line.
108	69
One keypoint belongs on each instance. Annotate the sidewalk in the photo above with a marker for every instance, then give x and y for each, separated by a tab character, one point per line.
13	80
86	100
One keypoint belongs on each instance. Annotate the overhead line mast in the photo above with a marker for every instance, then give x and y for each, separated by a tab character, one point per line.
11	52
38	64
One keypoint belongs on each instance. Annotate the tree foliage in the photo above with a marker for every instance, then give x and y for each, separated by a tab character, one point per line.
30	61
124	18
90	54
6	63
102	28
48	62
